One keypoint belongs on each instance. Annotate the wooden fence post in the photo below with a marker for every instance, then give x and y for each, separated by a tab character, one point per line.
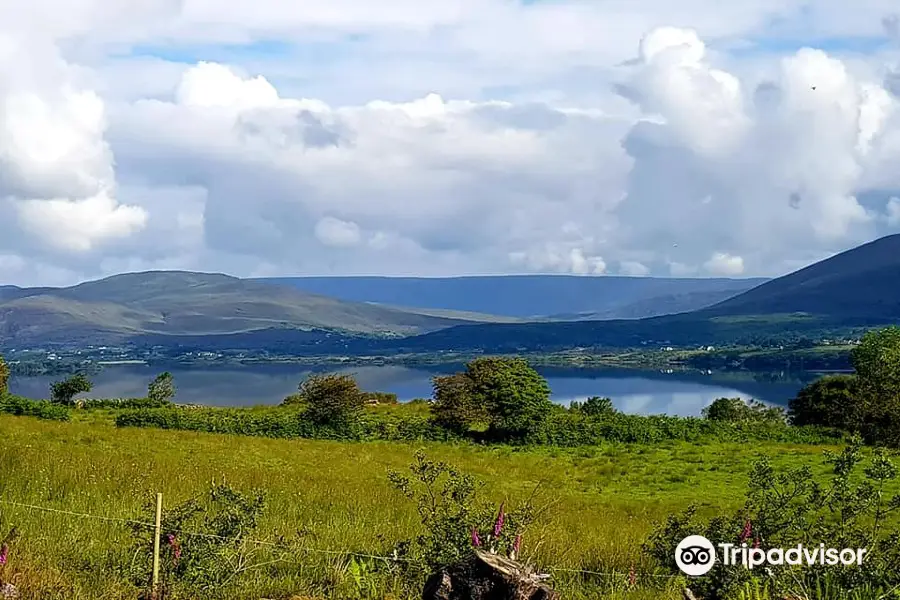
156	535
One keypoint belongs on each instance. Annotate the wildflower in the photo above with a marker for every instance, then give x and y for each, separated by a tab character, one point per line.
476	541
632	576
756	543
517	543
747	532
176	547
498	524
4	554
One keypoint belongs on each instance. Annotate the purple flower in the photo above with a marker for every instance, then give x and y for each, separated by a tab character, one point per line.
476	541
4	554
498	524
517	543
176	547
747	532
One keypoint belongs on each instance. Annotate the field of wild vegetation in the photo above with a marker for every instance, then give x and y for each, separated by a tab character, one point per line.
595	506
340	493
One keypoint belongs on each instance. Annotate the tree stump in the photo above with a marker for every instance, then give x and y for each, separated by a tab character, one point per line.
484	576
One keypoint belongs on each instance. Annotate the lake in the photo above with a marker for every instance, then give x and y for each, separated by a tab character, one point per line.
638	392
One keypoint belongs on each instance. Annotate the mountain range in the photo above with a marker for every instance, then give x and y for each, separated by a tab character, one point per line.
858	287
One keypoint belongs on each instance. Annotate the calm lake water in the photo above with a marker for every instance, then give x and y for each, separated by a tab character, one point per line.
639	392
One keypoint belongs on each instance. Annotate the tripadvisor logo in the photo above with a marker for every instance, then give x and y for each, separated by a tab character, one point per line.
695	555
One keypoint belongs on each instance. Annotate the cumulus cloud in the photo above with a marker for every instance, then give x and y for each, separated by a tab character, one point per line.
337	233
724	264
548	143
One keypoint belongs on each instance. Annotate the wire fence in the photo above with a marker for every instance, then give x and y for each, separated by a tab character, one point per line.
294	548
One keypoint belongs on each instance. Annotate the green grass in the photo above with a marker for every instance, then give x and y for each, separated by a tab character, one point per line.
604	501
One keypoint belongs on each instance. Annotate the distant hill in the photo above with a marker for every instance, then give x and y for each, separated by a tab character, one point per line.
173	303
854	289
860	283
557	297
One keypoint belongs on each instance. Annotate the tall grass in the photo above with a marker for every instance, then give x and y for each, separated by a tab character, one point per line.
334	496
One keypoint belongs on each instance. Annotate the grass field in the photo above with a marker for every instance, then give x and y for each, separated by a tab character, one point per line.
603	501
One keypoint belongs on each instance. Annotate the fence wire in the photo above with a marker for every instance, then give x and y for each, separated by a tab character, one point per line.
394	559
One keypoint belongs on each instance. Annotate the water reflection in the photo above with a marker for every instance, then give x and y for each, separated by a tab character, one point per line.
636	392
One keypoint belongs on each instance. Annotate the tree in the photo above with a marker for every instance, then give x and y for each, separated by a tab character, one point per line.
331	399
4	377
877	364
516	397
454	406
595	406
62	392
831	401
736	410
162	389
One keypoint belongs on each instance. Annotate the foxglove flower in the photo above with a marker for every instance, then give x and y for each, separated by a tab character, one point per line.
4	554
747	532
476	541
498	524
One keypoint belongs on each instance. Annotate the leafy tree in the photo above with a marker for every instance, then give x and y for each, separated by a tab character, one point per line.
162	389
595	406
516	397
831	401
736	410
454	406
331	399
62	392
877	364
4	377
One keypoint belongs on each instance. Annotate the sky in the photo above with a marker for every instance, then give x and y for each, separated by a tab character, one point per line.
444	137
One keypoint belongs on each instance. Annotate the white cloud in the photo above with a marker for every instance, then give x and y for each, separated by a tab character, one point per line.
435	138
337	233
633	268
722	263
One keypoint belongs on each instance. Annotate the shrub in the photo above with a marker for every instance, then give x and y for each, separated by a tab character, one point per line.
17	405
453	516
62	392
162	389
736	410
223	520
380	398
455	407
4	377
594	406
791	507
122	403
516	397
831	401
331	399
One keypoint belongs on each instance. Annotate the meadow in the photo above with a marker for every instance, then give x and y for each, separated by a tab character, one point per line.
332	499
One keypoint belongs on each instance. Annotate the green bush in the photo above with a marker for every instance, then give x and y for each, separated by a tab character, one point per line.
17	405
4	377
850	508
572	429
380	398
331	399
736	410
594	406
123	403
455	407
278	422
831	401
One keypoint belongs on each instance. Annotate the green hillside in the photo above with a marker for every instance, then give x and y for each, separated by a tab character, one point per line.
121	307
